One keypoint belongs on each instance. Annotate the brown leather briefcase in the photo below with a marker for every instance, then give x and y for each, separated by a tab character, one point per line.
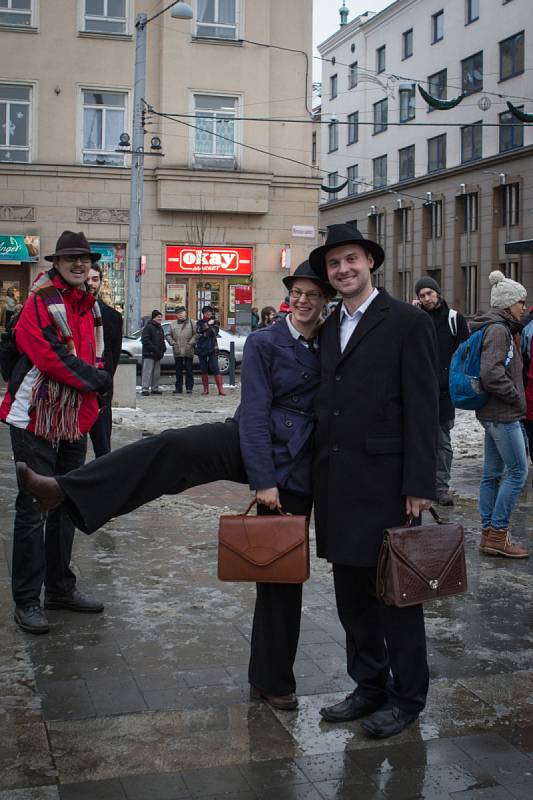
263	549
420	563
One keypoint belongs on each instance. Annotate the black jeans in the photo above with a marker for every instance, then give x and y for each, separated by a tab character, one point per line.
42	546
184	363
209	363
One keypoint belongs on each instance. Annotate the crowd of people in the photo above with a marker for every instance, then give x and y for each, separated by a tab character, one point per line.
348	413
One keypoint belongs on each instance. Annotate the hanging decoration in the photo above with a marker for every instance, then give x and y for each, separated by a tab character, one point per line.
521	115
442	105
334	189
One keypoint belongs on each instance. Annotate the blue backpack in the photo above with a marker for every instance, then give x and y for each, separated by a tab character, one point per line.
465	386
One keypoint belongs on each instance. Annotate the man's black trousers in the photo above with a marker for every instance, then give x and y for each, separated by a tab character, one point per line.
42	546
385	645
100	432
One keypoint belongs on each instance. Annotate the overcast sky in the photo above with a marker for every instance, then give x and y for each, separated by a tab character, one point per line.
326	19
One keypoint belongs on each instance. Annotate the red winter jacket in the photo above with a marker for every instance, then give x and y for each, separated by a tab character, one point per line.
40	342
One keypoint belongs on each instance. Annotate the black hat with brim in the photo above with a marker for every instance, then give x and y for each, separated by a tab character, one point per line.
304	270
339	235
73	244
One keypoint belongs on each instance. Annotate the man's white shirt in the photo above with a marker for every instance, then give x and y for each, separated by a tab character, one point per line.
349	322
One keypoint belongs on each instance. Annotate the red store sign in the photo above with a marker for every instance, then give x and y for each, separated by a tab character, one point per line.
188	260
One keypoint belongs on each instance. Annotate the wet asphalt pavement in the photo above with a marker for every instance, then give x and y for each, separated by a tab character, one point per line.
150	698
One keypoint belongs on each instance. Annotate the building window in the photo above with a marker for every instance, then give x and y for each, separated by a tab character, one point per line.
437	27
380	59
510	204
379	172
333	180
353	179
407	44
18	13
407	103
435	219
104	16
407	163
333	136
511	269
15	110
470	281
437	153
216	19
472	73
472	11
104	119
313	147
471	142
352	75
404	216
437	86
381	113
470	213
511	131
214	137
332	87
353	127
512	56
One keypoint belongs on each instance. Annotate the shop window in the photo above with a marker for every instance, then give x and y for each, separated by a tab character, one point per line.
333	137
511	131
353	127
105	16
381	113
379	172
437	27
113	264
104	119
437	153
353	179
512	56
407	163
17	13
437	86
407	44
472	73
214	137
352	75
471	142
332	87
470	289
15	114
217	19
380	59
407	103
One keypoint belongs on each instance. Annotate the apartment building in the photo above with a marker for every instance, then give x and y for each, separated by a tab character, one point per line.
224	213
446	191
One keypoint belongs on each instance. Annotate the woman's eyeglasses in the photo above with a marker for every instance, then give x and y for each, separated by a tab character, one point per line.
296	294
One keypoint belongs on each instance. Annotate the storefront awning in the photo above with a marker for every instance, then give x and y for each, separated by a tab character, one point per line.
519	246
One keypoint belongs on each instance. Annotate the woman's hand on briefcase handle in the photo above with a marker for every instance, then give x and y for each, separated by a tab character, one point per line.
415	505
269	498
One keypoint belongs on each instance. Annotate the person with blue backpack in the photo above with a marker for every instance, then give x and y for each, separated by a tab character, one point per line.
503	408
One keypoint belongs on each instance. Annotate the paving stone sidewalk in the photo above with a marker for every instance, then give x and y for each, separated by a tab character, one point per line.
150	699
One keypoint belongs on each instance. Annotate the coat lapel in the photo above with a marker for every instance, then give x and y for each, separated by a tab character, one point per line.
302	354
373	316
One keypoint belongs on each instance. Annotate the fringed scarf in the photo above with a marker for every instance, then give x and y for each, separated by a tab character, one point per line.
56	405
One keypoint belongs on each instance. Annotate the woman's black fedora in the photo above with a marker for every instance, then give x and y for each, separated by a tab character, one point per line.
337	236
304	270
73	244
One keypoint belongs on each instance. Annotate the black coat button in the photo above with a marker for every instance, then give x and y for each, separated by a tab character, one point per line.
305	376
295	398
288	423
338	377
336	412
335	448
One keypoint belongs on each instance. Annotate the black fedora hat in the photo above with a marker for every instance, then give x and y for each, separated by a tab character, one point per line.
304	270
344	234
73	244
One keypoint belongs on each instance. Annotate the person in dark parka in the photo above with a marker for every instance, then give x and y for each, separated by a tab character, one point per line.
153	349
375	462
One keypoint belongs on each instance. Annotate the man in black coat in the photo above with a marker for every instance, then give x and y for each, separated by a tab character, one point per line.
451	329
375	464
154	346
100	432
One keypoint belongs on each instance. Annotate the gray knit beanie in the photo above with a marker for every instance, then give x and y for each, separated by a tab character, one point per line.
504	292
426	283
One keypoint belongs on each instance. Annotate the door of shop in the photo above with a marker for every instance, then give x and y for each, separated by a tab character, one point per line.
208	292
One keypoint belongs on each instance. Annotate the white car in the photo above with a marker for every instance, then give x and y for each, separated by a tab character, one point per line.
132	346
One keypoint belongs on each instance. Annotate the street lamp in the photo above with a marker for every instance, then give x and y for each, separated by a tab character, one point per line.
179	10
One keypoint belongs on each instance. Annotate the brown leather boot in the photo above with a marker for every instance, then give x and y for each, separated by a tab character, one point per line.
484	534
205	384
218	381
45	491
499	543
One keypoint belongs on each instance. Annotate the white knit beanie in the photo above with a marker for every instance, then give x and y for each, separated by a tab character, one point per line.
504	291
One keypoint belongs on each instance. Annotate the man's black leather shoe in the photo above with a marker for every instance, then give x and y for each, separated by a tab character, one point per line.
31	619
388	721
73	602
353	706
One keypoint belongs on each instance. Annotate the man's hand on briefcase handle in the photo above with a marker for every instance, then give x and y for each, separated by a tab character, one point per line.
269	498
415	505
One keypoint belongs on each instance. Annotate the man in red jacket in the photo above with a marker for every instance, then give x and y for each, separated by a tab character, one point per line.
50	405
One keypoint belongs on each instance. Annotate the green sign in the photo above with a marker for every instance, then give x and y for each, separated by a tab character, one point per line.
108	252
19	248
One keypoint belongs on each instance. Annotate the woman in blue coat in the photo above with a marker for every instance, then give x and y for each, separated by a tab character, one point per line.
268	444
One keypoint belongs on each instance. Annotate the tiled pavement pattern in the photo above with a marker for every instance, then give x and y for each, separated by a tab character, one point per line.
149	700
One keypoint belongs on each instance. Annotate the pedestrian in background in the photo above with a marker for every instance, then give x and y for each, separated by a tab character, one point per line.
100	432
451	329
207	330
255	318
505	458
267	316
182	337
153	349
11	305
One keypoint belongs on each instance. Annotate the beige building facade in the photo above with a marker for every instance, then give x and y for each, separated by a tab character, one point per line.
230	204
